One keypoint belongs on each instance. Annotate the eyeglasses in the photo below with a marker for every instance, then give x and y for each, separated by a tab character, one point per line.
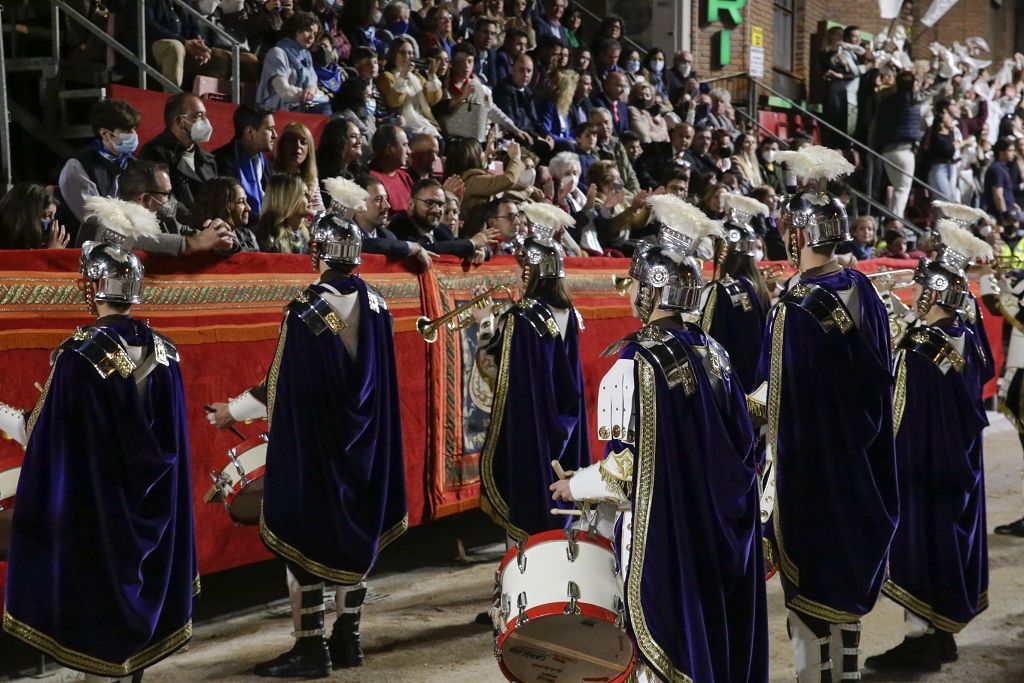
195	115
434	203
511	216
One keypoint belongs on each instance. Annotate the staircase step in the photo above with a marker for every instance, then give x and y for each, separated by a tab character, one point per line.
83	94
74	132
47	65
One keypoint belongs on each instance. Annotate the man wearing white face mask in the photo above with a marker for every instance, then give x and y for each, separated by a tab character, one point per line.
682	69
186	127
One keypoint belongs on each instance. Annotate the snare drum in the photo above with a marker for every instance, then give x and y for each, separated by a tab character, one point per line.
240	484
561	611
8	487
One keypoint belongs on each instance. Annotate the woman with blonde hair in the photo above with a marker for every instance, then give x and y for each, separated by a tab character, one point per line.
294	155
407	92
645	114
553	109
283	226
745	161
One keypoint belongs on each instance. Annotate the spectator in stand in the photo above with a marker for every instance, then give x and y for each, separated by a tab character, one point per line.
289	80
682	71
94	169
258	25
606	59
28	219
746	164
711	201
495	11
367	66
359	19
329	14
621	219
581	106
225	199
515	98
501	215
634	148
572	21
610	148
720	114
245	157
468	105
395	18
584	60
179	51
329	74
550	22
700	151
424	152
999	187
516	43
437	30
841	69
485	38
284	225
466	159
517	17
941	152
862	246
653	71
645	118
678	184
185	128
629	66
340	153
377	239
453	214
418	18
897	130
295	156
896	243
408	93
586	150
555	109
610	98
444	62
422	224
351	105
771	170
610	28
148	184
390	148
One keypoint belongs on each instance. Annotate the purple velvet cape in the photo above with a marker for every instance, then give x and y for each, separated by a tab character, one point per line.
695	589
740	332
539	414
334	491
831	428
938	562
102	567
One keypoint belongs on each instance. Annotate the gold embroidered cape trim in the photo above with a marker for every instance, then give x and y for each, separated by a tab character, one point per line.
197	586
38	407
491	501
774	407
616	472
707	316
899	397
83	662
643	479
275	371
908	601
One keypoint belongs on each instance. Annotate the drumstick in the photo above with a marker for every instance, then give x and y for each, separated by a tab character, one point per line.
567	513
38	386
557	467
240	435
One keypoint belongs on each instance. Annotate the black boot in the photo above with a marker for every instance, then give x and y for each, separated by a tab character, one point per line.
344	643
947	646
1011	529
913	654
310	657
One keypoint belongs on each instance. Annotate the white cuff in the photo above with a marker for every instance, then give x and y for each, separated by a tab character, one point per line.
486	330
989	284
587	484
12	423
245	407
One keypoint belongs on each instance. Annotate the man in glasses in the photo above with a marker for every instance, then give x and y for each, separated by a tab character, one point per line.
502	215
422	224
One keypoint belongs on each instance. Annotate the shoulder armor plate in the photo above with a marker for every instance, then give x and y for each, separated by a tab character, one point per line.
377	300
539	316
164	350
668	354
318	315
101	350
824	305
737	294
933	344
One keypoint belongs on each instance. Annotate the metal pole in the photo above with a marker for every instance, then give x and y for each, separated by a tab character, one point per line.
140	34
55	32
236	74
5	124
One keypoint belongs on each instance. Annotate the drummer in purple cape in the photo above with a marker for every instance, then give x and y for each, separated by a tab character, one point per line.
539	413
681	453
102	563
825	376
938	560
734	305
334	491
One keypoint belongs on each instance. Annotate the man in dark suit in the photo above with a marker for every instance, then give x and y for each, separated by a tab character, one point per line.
661	160
377	239
485	36
514	97
185	128
245	157
516	43
610	98
422	225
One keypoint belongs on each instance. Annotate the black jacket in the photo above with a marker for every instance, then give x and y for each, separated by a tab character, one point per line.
227	158
521	107
442	241
165	149
486	66
386	243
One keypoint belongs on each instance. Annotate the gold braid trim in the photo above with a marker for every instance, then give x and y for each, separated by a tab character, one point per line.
904	598
707	316
89	664
616	472
275	370
392	534
292	554
774	407
652	652
197	586
38	407
899	398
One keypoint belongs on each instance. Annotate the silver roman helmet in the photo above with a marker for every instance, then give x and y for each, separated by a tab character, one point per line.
110	271
669	266
539	254
740	237
811	209
943	280
334	236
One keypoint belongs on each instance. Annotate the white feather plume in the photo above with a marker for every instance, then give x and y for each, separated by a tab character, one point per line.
960	212
962	241
831	164
346	193
713	228
747	205
550	215
677	215
124	218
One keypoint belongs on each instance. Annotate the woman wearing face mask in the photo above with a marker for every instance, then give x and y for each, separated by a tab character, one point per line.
653	71
645	115
289	80
629	64
565	173
284	223
27	219
294	156
224	198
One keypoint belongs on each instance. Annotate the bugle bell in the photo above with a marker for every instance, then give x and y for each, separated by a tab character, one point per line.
621	284
771	273
888	280
461	317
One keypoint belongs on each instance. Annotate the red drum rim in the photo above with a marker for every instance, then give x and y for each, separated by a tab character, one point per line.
249	444
238	488
551	536
6	503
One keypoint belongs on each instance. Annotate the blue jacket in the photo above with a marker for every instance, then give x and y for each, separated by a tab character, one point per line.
552	122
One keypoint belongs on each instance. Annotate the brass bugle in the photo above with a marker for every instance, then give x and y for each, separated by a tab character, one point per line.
458	318
904	275
771	273
621	283
1003	264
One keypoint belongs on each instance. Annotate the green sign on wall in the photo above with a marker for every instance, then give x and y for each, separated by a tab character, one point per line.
730	14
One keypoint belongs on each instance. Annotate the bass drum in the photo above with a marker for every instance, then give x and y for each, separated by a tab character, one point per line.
561	611
8	487
239	485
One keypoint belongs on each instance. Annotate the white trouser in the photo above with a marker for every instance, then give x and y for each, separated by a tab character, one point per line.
915	625
808	650
901	177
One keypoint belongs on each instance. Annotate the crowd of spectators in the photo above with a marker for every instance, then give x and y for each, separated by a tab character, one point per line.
452	113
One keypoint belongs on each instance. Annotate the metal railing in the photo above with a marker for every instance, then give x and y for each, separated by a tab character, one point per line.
5	124
623	39
236	49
